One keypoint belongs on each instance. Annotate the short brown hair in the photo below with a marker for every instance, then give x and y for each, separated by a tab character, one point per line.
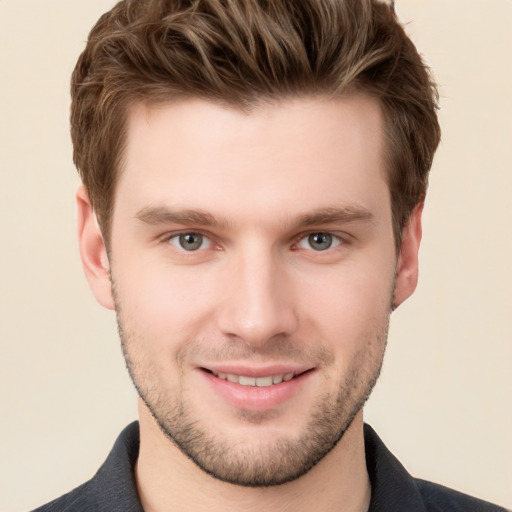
240	52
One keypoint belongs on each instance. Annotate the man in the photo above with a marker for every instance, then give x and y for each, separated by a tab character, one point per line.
253	182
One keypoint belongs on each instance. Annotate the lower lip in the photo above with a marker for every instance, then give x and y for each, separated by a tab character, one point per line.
253	397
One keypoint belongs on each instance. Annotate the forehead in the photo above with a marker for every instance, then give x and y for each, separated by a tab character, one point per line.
297	153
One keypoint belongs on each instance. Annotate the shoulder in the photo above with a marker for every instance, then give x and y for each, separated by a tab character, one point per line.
438	498
393	488
113	487
75	501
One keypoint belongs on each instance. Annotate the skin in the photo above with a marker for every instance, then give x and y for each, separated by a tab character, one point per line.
255	297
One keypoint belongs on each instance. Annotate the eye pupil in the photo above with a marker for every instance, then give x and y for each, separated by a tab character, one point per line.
191	241
320	241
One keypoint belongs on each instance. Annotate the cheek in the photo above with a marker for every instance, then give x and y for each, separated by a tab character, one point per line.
348	294
159	315
347	306
163	300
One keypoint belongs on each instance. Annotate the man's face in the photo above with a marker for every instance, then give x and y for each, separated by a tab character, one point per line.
253	269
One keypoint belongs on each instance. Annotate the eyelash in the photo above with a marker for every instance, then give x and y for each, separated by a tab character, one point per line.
168	239
335	240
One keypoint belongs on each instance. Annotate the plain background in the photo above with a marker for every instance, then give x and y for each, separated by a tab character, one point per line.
443	404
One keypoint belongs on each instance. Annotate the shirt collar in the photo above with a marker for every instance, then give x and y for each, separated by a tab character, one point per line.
113	488
393	488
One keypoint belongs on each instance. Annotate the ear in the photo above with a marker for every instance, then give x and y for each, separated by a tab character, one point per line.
93	250
406	277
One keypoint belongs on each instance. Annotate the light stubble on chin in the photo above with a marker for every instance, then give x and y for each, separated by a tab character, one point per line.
280	460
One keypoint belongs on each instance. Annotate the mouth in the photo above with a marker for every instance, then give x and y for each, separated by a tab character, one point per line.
257	388
260	382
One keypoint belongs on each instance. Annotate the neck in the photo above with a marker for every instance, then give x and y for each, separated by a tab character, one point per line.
167	479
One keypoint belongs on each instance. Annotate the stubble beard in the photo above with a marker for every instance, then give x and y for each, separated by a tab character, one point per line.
278	461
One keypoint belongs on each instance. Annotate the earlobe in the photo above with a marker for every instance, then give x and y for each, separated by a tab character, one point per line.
93	250
406	277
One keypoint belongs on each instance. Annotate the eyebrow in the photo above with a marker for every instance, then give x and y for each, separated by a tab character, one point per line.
194	217
163	215
334	215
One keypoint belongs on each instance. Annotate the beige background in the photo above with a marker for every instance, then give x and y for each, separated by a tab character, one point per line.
443	404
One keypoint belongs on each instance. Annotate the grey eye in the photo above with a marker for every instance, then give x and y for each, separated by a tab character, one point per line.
320	241
189	241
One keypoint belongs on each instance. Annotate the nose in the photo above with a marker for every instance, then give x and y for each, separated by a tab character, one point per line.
259	305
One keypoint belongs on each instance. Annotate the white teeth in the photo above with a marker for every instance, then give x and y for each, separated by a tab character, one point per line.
255	381
263	382
247	381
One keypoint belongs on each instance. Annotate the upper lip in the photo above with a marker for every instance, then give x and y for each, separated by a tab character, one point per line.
255	371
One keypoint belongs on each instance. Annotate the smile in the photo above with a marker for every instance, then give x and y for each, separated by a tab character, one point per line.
257	389
261	382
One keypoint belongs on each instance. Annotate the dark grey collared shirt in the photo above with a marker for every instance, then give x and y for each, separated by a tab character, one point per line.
113	488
